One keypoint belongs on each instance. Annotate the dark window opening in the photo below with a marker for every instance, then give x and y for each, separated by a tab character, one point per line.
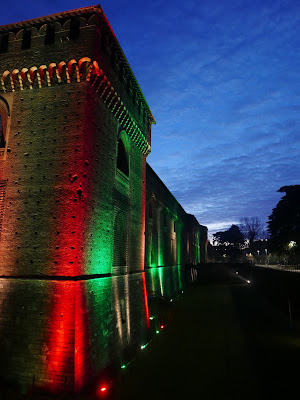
4	44
74	29
2	138
122	161
26	42
174	226
120	241
50	35
165	220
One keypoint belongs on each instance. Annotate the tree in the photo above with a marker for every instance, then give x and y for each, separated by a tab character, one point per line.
284	222
251	227
233	236
229	246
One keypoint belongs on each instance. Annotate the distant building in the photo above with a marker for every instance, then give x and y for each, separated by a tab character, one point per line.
75	131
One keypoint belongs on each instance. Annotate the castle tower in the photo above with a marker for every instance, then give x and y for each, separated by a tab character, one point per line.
75	131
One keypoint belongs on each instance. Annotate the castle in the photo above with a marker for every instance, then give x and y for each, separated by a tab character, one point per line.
89	234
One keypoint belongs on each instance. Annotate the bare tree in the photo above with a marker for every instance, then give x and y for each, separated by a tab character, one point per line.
251	227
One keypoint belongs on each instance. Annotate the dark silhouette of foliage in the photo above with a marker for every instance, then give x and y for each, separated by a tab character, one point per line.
228	247
232	236
284	222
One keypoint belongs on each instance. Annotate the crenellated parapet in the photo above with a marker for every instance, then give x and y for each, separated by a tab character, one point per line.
84	70
85	38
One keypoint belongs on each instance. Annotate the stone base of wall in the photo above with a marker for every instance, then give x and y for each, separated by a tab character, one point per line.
60	335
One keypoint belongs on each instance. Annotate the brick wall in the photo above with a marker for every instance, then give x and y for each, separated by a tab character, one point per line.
173	237
69	308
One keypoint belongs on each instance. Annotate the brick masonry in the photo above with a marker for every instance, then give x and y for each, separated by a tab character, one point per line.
75	297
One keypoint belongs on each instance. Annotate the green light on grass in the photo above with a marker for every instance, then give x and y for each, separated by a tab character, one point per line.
123	366
157	332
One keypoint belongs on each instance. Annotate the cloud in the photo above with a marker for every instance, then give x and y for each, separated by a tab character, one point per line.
223	82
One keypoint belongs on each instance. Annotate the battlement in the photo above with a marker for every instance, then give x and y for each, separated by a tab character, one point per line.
72	71
44	49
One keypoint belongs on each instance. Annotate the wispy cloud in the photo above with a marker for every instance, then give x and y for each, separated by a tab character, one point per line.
223	82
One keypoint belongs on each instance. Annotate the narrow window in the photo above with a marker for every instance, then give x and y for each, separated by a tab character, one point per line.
50	35
4	116
2	138
122	160
120	241
165	220
26	42
74	29
4	44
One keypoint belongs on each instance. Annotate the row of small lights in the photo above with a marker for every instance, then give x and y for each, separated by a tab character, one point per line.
103	388
157	331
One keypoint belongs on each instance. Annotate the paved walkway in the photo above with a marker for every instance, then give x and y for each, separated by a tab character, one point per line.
280	267
225	342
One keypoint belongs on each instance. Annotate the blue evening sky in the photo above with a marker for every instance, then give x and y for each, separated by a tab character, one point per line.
222	79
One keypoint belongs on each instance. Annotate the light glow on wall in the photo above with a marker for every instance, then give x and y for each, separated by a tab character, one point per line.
146	301
61	337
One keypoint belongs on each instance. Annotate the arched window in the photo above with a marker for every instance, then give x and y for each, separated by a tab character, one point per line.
4	115
122	159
